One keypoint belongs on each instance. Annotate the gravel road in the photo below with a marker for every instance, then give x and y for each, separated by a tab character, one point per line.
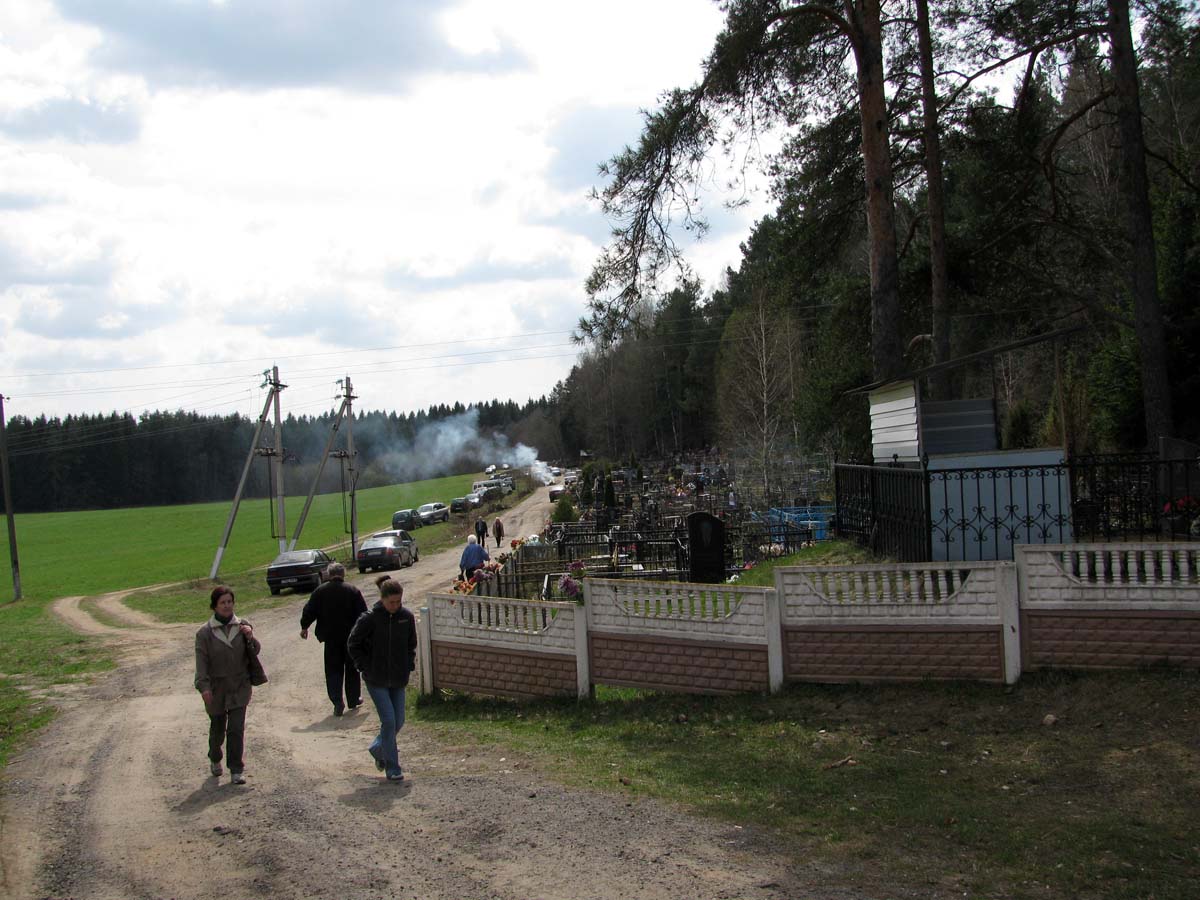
114	800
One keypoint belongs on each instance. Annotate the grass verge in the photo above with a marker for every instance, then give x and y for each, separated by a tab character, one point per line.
38	650
957	785
826	553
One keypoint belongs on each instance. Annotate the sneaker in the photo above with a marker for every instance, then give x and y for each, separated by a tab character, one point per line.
380	765
216	769
396	776
355	705
338	710
237	778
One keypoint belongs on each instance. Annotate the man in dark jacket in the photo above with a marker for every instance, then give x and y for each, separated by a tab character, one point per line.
335	606
481	531
383	646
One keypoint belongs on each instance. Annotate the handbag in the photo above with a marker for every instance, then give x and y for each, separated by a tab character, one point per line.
258	675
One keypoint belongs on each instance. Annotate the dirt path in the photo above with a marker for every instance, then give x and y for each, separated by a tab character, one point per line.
113	800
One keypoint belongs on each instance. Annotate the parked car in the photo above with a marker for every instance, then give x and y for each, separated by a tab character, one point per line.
298	569
386	550
406	519
475	499
490	469
555	471
459	505
556	492
433	512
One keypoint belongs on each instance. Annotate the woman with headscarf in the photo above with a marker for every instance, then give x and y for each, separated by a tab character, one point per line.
226	653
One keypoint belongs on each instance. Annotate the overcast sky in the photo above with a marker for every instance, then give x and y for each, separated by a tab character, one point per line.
394	190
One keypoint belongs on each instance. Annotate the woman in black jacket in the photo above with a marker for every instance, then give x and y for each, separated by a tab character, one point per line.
383	645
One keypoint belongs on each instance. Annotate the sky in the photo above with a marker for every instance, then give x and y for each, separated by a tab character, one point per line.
394	191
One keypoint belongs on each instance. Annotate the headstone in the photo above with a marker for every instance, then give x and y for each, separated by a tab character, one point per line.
706	548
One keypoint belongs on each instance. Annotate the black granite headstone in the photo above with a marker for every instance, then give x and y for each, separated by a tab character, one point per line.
706	548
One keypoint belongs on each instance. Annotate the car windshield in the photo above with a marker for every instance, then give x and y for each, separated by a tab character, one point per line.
385	541
294	556
427	507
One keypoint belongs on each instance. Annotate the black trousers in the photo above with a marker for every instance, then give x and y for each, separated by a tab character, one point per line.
339	671
229	729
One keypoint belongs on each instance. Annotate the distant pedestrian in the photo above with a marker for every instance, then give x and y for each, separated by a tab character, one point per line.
473	556
335	606
226	658
481	530
383	645
498	531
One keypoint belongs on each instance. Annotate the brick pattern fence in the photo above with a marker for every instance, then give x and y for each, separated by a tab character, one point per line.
1078	606
1110	606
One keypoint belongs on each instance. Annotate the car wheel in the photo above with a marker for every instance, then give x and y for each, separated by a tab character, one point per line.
361	569
417	556
274	589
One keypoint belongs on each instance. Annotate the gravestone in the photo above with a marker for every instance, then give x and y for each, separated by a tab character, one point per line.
706	548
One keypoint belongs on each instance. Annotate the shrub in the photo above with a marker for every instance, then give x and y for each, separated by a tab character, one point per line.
563	511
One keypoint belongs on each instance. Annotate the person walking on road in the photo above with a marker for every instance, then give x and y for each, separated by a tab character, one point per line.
383	645
498	531
473	556
481	531
335	606
226	656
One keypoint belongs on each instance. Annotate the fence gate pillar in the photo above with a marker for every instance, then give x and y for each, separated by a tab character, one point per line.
583	663
774	625
425	637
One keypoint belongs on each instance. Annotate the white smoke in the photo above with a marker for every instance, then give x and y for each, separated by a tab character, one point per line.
453	444
540	471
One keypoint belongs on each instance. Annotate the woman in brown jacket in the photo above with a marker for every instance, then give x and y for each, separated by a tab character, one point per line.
225	650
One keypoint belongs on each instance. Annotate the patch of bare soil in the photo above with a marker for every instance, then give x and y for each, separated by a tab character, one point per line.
114	799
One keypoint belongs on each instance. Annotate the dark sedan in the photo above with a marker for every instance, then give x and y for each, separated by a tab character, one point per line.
390	550
299	569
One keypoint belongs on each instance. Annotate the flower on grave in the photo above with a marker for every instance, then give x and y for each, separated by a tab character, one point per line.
517	542
569	587
1184	506
576	567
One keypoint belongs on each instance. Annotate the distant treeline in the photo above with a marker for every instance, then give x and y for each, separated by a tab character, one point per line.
159	458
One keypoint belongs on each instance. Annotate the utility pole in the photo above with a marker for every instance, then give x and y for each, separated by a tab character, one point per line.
237	496
276	463
8	507
353	471
337	423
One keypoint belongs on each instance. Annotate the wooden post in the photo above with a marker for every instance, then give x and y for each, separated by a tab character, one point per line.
8	505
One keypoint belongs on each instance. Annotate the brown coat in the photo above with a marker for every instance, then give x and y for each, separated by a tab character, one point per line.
224	668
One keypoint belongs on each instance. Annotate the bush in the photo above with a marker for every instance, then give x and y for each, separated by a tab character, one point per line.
563	511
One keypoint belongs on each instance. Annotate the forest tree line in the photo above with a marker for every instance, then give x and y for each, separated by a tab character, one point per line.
923	212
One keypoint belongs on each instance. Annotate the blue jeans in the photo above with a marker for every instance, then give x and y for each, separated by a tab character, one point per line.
389	703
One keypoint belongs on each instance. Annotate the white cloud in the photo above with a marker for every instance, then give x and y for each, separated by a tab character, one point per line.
181	185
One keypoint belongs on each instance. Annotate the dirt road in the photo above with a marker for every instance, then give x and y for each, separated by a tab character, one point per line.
114	799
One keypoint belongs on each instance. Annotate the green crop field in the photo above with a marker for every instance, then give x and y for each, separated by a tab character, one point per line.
95	551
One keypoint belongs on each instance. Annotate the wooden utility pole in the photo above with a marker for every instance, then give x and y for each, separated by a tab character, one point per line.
8	506
353	472
276	463
237	496
337	423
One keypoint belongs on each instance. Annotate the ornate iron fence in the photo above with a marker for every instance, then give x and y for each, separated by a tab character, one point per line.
965	514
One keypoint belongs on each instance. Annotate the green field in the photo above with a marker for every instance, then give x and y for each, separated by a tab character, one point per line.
96	551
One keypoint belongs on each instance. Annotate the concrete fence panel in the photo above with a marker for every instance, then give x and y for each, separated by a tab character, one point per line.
1101	606
504	647
900	622
678	636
